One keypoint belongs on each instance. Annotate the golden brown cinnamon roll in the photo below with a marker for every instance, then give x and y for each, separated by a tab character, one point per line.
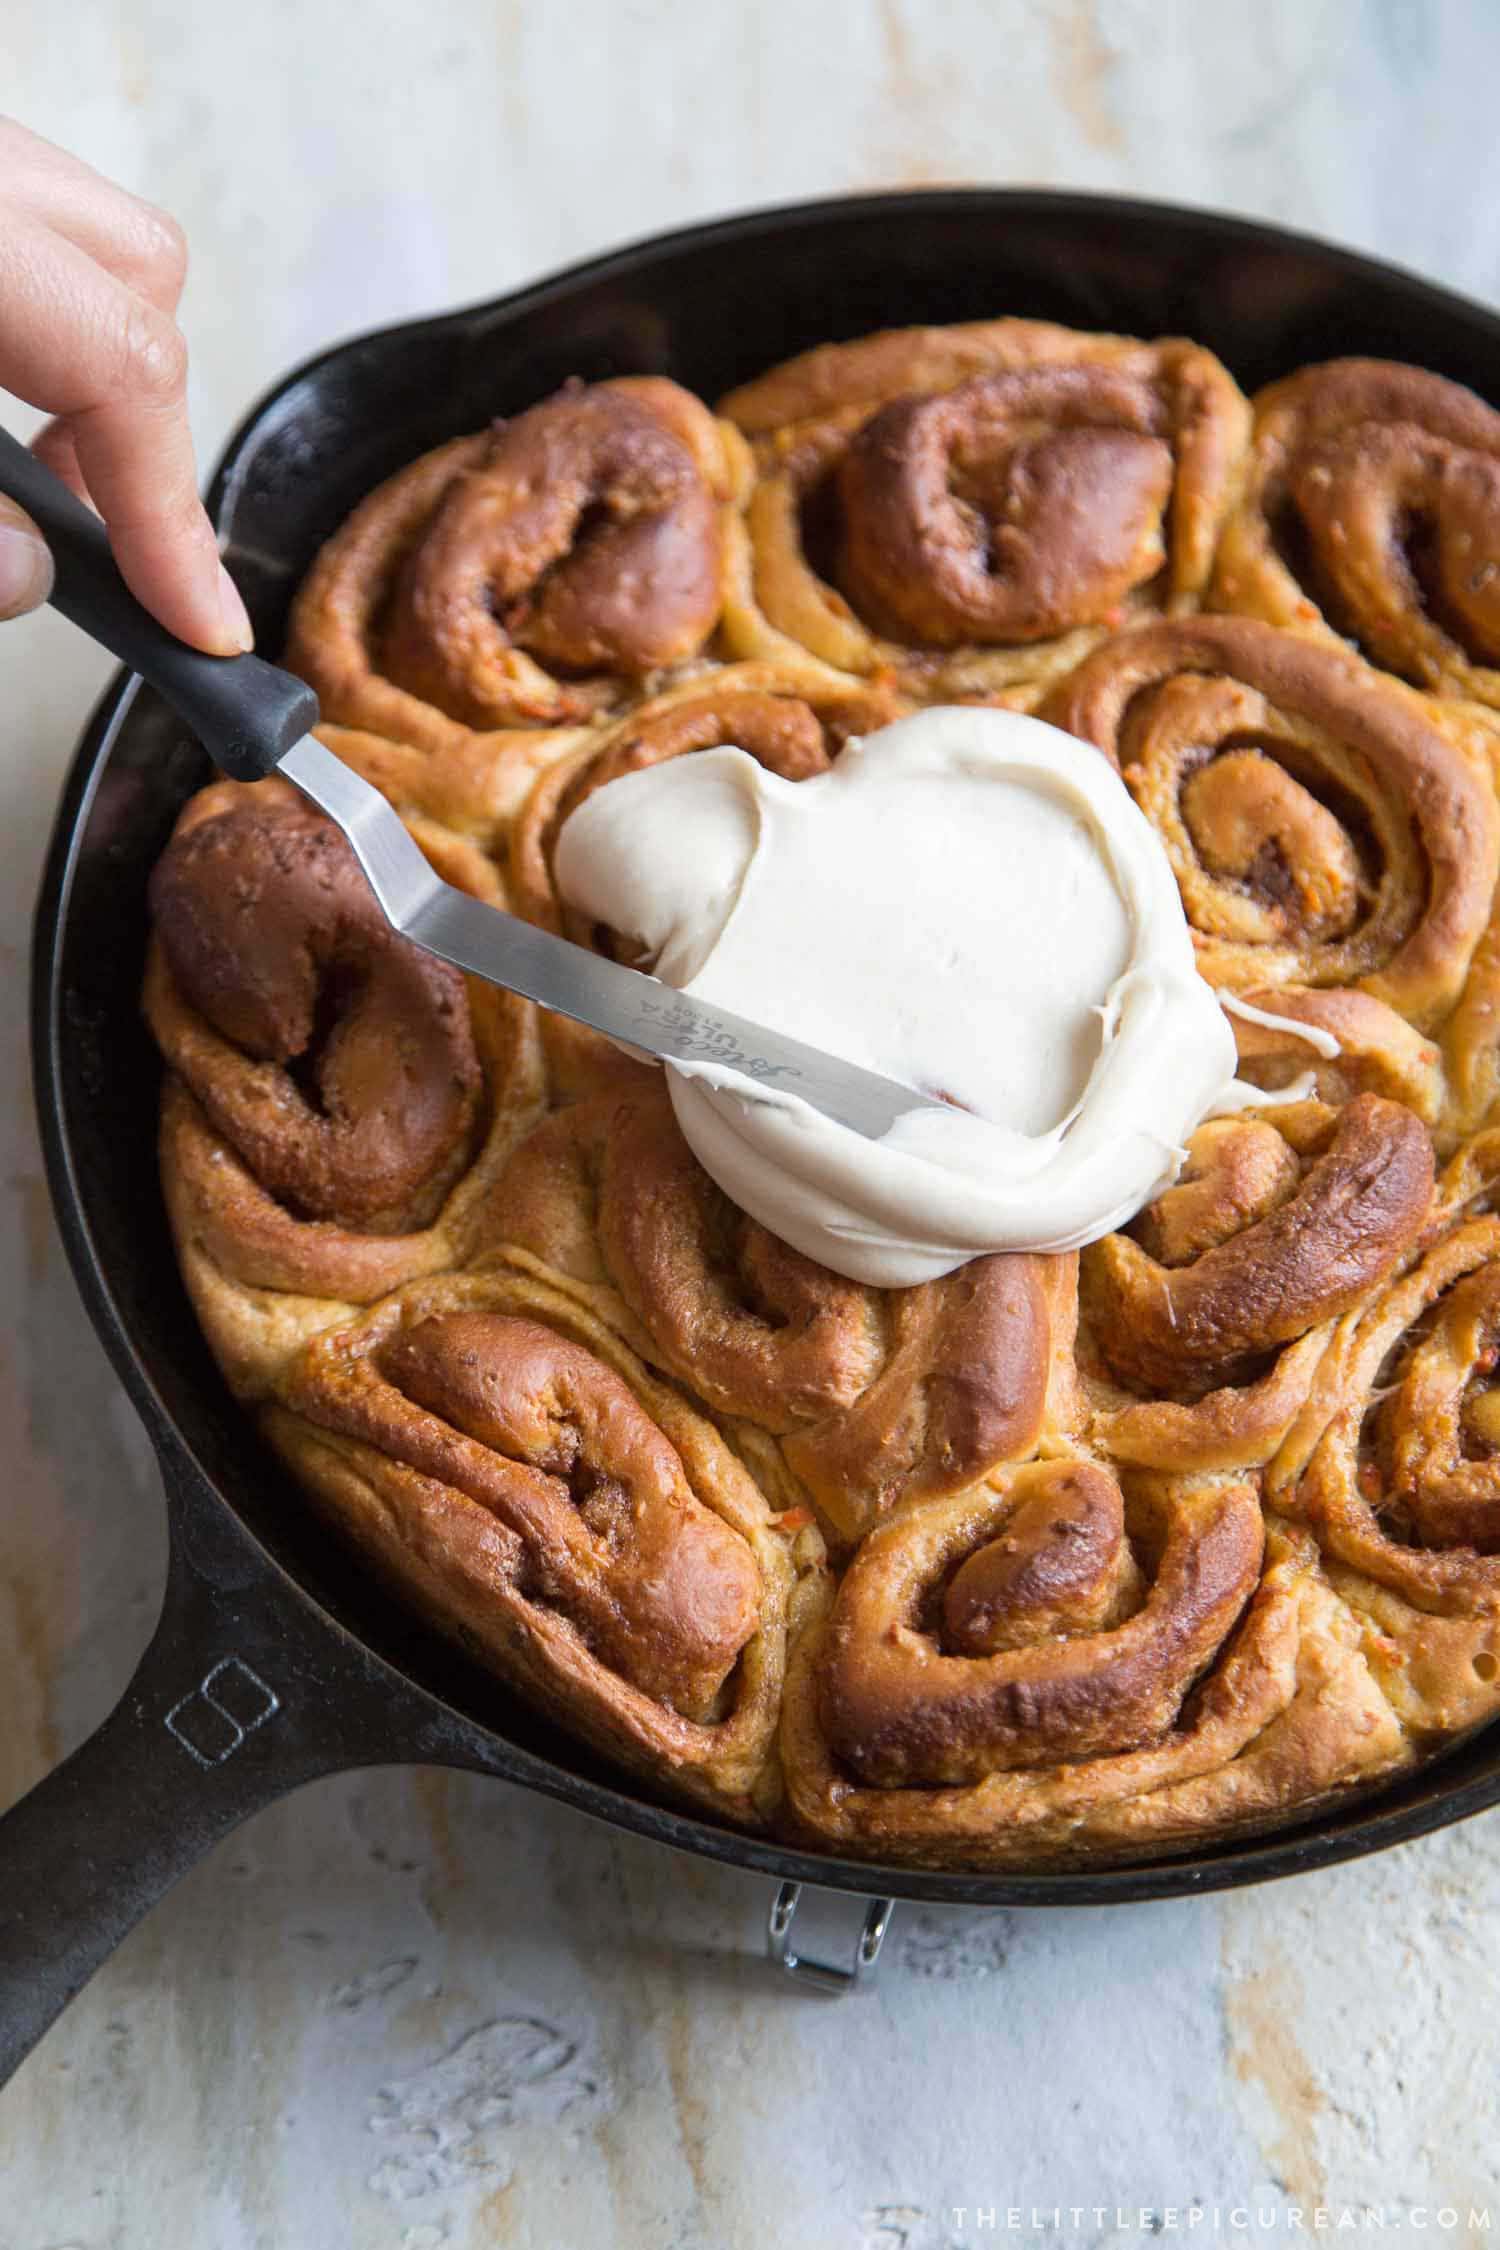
1369	509
1070	1664
1394	1464
967	508
337	1101
532	575
874	1396
1204	1322
1050	1642
1328	828
574	1521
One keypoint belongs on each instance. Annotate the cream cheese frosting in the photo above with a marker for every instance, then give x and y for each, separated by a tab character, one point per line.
968	901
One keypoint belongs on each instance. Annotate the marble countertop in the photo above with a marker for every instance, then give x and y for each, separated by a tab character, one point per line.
409	2008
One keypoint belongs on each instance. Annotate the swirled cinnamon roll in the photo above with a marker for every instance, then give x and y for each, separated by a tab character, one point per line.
872	1396
573	1520
968	508
337	1101
1327	827
1070	1663
1205	1321
532	575
1369	511
1394	1464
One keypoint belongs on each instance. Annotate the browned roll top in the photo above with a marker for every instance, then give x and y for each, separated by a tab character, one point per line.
1252	1248
1008	509
343	1070
765	1331
962	1385
582	532
1031	1625
1395	1462
550	1441
1061	1564
1374	493
883	1394
1325	826
531	574
878	1395
966	508
1443	1435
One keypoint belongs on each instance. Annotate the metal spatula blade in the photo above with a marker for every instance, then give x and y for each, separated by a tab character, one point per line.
638	1010
255	720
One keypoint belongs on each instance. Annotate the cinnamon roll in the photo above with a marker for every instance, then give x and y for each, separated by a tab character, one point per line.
872	1396
1369	510
532	575
1394	1465
968	508
1328	828
337	1102
1203	1324
515	1469
1071	1663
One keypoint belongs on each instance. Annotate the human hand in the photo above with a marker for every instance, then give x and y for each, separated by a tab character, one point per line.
89	282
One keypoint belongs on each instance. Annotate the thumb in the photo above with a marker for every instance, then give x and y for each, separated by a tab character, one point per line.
25	564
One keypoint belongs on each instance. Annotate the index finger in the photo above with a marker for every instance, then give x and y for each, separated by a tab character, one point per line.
79	343
139	244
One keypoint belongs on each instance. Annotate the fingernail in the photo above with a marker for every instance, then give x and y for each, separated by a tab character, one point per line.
25	566
237	627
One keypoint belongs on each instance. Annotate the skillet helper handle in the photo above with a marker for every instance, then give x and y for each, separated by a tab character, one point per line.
235	1701
247	1690
96	1844
246	713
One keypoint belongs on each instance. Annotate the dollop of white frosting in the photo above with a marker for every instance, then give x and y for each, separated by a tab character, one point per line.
968	901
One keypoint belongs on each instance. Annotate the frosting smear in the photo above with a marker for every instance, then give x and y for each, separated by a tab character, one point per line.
969	901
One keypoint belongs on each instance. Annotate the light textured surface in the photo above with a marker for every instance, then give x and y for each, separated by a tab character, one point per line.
410	2009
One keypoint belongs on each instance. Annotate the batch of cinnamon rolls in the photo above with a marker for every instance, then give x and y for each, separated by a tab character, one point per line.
1087	1557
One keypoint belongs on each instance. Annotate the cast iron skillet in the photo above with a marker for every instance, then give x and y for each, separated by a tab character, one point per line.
276	1658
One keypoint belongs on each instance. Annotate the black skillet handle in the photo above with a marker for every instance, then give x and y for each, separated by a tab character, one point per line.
246	713
246	1691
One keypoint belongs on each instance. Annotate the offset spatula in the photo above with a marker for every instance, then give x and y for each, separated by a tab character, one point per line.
254	720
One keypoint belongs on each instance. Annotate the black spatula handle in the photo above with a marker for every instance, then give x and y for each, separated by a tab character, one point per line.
246	713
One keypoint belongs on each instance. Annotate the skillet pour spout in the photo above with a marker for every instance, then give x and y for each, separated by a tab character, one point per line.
274	1661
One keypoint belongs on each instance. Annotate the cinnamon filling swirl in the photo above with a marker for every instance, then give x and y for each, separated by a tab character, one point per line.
531	574
333	1056
662	1589
583	533
969	507
1371	510
1010	509
1021	1629
1325	827
877	1396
